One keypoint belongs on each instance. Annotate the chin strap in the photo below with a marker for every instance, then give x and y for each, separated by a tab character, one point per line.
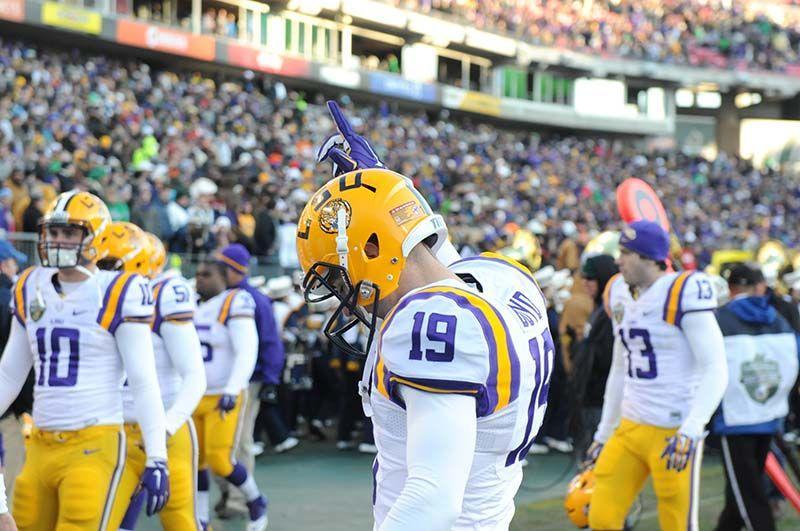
341	238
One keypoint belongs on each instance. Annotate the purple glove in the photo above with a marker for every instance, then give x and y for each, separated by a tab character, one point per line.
155	483
226	403
346	150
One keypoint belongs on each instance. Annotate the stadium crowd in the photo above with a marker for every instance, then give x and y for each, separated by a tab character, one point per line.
738	34
203	161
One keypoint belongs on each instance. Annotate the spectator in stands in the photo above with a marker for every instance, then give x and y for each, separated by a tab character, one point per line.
591	355
34	212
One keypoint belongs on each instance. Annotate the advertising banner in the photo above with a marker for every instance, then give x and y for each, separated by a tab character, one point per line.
72	18
394	85
12	10
165	40
265	61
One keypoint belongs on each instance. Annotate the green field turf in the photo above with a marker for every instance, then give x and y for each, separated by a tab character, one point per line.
317	488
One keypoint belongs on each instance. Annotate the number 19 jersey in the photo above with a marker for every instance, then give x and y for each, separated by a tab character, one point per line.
660	378
77	365
450	338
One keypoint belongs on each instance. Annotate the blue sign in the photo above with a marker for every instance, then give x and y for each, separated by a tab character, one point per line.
395	85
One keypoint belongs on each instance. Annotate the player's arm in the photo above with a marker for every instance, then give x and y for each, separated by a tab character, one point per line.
15	365
244	339
176	307
183	346
132	334
434	362
695	316
441	443
612	400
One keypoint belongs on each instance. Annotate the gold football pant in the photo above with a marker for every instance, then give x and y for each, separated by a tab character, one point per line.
69	480
218	434
631	454
180	513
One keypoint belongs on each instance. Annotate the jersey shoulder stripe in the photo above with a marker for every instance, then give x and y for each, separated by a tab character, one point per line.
500	259
225	311
502	385
607	292
158	319
672	305
110	316
21	295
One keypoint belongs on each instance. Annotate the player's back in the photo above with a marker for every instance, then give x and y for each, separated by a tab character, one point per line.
660	376
448	338
211	320
78	368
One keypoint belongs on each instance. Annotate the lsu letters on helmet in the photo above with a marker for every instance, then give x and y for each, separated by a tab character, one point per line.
79	209
128	249
579	496
158	254
374	206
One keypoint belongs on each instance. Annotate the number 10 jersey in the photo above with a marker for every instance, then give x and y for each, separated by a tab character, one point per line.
660	375
77	366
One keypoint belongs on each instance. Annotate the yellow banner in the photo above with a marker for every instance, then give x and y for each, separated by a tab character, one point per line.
72	18
481	103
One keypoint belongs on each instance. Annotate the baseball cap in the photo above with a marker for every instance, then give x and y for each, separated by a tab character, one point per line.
234	256
8	251
647	239
745	275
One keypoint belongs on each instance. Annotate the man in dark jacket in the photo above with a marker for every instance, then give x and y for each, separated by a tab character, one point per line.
591	357
762	352
269	364
10	425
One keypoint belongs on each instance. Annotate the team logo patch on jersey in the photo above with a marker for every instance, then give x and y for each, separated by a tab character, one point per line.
329	215
618	312
407	212
761	378
36	309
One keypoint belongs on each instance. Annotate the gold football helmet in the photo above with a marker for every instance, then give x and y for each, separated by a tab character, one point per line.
158	254
373	206
579	496
128	249
76	209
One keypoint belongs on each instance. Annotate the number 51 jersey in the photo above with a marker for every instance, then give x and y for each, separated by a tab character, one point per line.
660	378
449	338
78	368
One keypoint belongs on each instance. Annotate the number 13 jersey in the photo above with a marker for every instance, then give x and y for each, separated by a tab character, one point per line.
77	366
660	374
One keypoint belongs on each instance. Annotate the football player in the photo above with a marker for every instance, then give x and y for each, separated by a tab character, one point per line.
81	330
181	379
226	325
457	383
667	377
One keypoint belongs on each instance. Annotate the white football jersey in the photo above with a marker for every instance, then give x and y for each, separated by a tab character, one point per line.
450	338
78	367
660	377
211	320
174	301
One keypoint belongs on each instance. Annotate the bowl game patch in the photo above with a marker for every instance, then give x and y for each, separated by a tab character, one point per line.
407	212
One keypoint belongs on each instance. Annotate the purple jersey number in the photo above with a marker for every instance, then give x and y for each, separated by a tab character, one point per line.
646	351
57	335
441	329
208	350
